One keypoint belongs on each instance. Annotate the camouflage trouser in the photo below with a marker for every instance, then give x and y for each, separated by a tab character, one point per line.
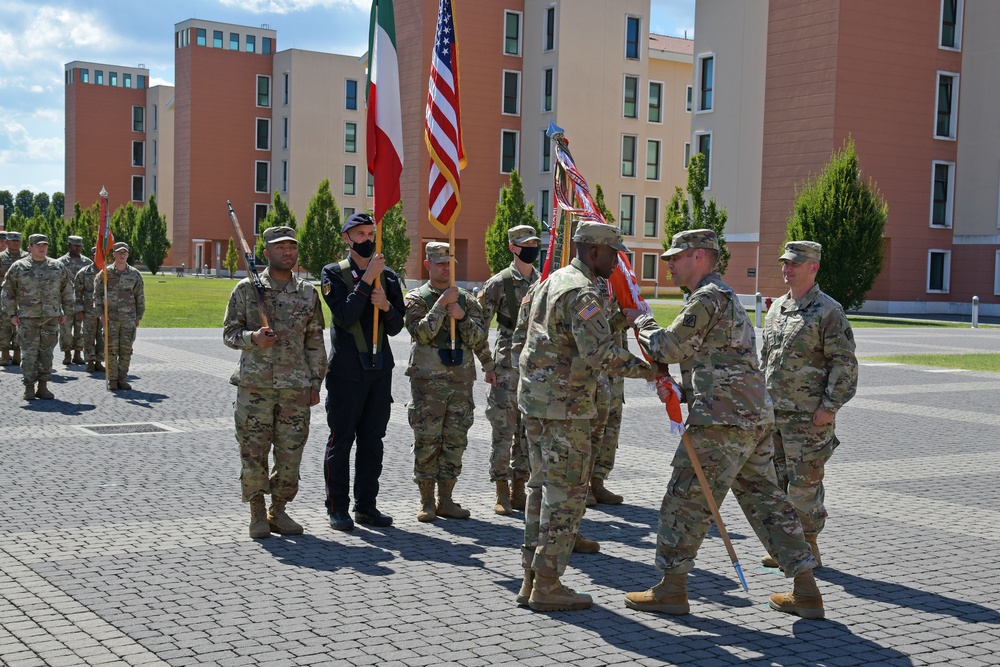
266	420
440	414
560	456
604	455
731	458
71	334
801	450
93	338
509	454
8	334
37	337
121	335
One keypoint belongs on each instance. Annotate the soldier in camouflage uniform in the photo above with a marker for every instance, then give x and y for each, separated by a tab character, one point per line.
3	241
126	306
729	421
280	373
607	445
501	296
90	319
71	331
567	338
810	371
441	406
38	297
8	333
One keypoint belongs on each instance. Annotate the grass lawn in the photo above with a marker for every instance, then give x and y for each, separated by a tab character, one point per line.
969	362
188	302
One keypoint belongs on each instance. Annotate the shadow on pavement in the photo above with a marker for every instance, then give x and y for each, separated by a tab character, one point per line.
58	407
417	546
327	555
142	399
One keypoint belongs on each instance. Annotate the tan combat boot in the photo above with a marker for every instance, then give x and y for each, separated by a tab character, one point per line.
527	583
78	356
602	495
29	391
98	367
669	596
445	505
518	499
585	546
43	391
258	519
591	500
814	547
426	512
279	521
122	384
67	357
502	506
5	358
113	384
90	366
804	599
17	357
548	594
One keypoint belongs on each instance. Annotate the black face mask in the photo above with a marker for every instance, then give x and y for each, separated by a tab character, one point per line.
527	254
366	248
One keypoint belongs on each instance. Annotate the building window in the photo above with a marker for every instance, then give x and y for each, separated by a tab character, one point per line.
251	44
511	93
262	177
350	137
138	154
350	178
155	151
633	32
84	76
544	207
138	188
259	213
284	175
351	95
263	91
705	148
140	81
217	39
546	164
630	104
996	275
263	134
156	117
284	96
943	194
550	29
284	133
626	214
947	100
655	114
512	33
99	77
201	37
687	154
547	76
649	266
127	80
650	222
951	24
113	79
265	45
69	76
508	151
370	185
628	155
938	270
706	83
652	160
154	186
138	119
234	41
348	212
688	98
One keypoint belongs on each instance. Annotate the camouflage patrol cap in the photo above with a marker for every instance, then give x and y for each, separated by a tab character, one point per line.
35	239
522	234
93	251
3	235
799	251
276	234
75	240
120	245
438	252
598	233
13	236
356	220
692	238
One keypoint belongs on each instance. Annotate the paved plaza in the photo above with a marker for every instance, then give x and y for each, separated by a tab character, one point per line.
125	547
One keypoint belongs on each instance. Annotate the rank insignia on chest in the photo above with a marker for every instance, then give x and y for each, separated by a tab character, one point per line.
590	310
326	288
690	320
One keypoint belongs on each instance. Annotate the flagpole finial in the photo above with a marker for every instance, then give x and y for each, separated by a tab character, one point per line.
554	130
104	193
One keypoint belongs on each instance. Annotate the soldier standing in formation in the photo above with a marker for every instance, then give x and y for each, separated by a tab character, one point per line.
70	332
441	406
281	370
729	421
566	338
810	371
359	387
126	306
8	332
38	297
501	296
88	317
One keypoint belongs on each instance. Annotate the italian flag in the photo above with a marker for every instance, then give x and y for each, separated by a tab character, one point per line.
384	146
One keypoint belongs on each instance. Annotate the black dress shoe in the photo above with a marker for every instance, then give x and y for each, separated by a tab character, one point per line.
372	517
341	520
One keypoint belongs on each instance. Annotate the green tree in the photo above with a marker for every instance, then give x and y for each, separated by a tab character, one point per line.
847	215
25	203
33	224
232	259
511	211
691	211
57	230
7	201
319	238
150	236
279	215
601	206
395	240
42	201
123	225
59	204
84	224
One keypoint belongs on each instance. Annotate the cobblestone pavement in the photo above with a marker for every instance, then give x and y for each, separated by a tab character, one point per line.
131	548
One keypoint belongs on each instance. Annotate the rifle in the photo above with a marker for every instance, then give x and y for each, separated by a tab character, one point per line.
251	261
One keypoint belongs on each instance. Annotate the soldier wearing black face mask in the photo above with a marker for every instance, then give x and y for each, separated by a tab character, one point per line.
358	382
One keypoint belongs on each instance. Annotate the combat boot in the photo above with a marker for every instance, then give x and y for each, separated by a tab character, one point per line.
122	384
814	547
17	357
669	596
112	385
90	366
585	546
804	599
602	495
5	358
591	500
548	594
426	512
518	500
258	519
67	358
502	506
445	505
78	356
29	391
98	367
43	391
527	583
279	522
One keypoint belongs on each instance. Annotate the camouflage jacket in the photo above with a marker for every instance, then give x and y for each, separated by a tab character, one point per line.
567	344
37	289
428	326
808	355
493	301
126	298
298	358
7	259
83	288
73	265
712	340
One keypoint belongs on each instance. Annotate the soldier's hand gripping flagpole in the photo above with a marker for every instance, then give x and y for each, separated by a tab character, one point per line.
250	260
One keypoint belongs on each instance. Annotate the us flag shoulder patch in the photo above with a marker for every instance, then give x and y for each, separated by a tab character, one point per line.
526	299
590	310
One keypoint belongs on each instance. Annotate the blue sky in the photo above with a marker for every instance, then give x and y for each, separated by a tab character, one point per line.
37	39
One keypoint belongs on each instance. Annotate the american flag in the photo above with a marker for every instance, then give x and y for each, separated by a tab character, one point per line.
443	125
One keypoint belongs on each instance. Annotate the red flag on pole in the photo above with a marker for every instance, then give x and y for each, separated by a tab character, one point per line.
384	141
105	239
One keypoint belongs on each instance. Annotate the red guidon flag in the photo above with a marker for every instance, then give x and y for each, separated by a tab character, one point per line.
105	239
384	141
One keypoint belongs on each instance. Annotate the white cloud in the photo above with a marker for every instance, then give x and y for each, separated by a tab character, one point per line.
48	34
290	6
